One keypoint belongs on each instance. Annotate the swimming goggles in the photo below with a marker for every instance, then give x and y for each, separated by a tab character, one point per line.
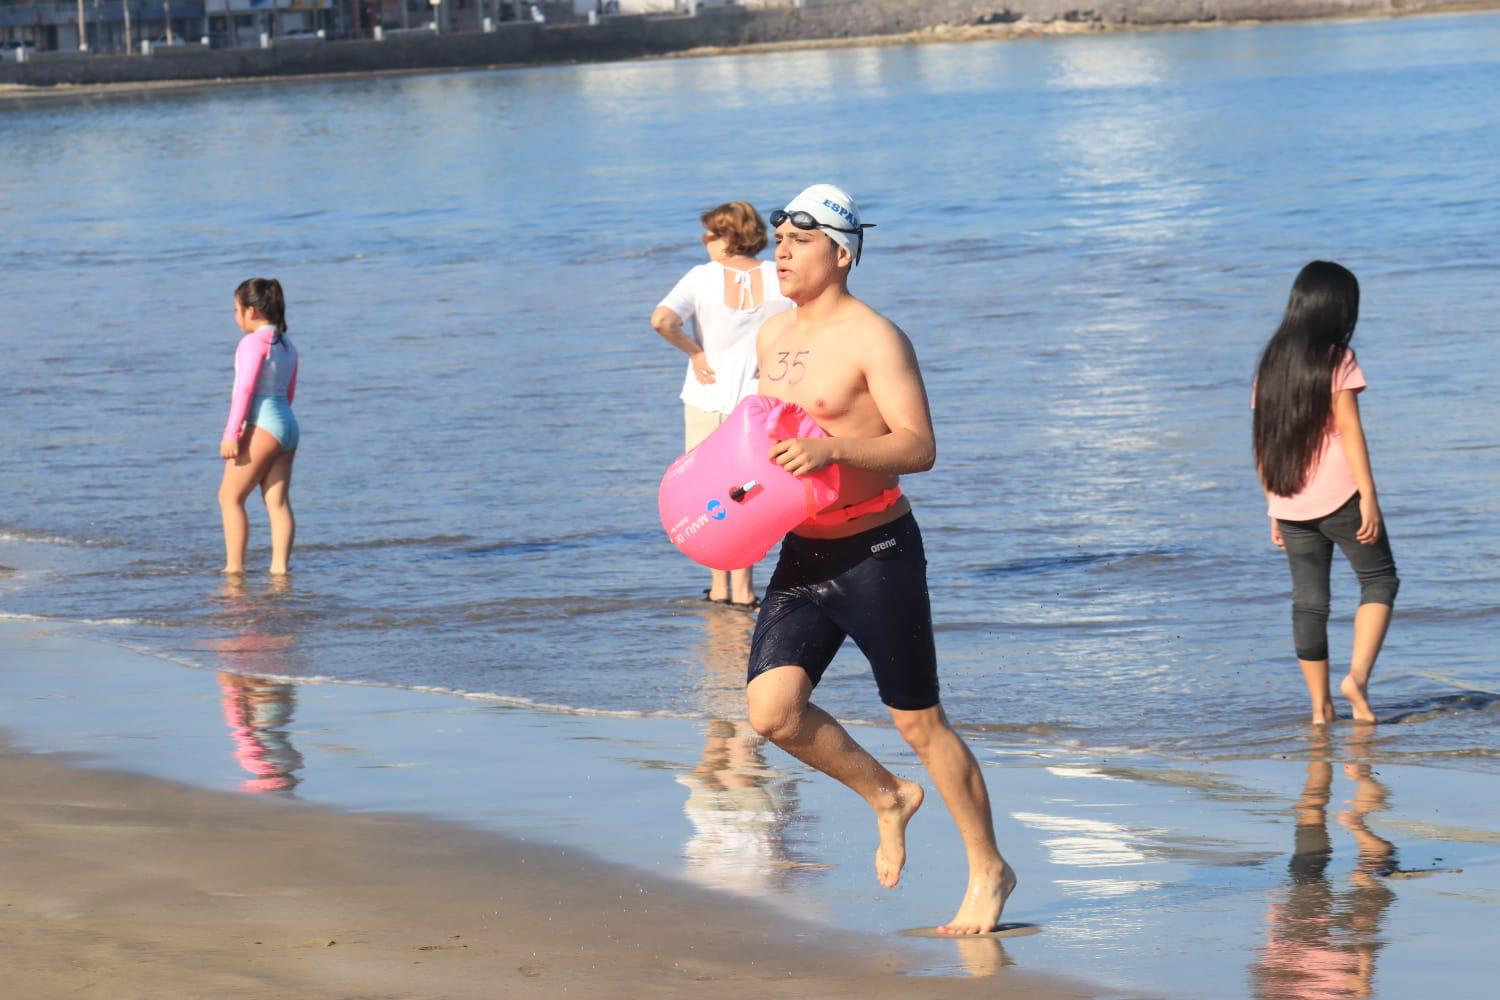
806	220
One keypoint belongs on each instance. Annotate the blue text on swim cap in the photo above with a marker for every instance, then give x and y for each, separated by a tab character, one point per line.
840	209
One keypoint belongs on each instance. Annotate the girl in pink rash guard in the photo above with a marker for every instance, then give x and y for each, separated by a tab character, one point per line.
260	437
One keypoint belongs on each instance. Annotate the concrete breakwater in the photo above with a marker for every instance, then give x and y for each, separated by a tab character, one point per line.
626	37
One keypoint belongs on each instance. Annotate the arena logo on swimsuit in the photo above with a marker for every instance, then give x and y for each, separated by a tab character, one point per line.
716	510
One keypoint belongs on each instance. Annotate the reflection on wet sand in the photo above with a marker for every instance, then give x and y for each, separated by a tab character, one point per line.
982	956
1323	942
258	710
741	808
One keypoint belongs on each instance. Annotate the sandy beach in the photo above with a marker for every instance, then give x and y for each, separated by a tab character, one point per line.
123	886
669	853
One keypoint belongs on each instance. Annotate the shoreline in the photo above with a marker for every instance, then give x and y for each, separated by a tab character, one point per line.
160	887
117	867
26	95
1154	877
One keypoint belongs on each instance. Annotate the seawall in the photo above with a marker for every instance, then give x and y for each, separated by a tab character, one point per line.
628	37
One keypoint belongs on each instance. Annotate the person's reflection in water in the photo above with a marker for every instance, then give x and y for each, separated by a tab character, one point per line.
1323	942
258	710
982	956
740	807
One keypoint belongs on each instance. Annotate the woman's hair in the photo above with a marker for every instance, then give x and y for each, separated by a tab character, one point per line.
1294	381
264	296
739	224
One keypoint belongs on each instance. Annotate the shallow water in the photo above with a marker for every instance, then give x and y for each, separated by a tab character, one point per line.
1088	239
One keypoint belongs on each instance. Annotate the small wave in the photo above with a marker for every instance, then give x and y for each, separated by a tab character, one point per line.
386	543
58	619
487	697
561	544
1443	706
1452	614
666	250
1041	729
40	538
1080	624
1048	564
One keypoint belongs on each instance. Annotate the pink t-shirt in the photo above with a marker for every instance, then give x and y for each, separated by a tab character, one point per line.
1331	483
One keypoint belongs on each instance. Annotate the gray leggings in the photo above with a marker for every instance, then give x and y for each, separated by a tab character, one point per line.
1309	551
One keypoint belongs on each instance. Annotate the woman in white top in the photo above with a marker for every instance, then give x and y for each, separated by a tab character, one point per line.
726	301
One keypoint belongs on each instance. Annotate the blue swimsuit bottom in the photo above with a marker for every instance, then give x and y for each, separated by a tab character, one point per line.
273	414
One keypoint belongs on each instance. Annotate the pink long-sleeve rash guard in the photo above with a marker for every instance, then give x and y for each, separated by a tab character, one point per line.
249	358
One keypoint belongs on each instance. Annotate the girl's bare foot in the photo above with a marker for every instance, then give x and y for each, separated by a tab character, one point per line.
1355	692
984	901
890	856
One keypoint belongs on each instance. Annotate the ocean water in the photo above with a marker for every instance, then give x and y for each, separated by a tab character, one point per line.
1088	239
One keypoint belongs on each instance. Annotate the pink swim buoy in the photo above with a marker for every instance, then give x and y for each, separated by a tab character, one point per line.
725	503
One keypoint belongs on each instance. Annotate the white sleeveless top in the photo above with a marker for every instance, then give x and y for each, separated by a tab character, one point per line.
726	335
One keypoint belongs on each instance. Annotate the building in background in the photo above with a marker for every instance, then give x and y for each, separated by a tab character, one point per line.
52	25
47	25
234	23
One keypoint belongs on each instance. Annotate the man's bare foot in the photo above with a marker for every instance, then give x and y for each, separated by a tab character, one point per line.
1355	692
890	856
984	901
233	570
1323	716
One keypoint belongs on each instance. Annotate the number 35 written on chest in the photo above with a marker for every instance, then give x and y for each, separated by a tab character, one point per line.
788	366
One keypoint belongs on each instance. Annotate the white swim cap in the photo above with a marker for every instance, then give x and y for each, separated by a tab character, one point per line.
835	212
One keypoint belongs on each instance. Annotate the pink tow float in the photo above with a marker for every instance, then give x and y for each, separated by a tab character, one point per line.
725	503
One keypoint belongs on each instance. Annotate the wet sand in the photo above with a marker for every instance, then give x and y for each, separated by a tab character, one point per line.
411	843
127	885
124	886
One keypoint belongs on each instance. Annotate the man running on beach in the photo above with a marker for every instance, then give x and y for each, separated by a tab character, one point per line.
859	570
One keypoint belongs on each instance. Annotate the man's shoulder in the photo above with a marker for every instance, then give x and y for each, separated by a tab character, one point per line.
866	323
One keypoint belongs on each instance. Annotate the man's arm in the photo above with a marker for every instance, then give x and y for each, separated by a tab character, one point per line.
895	385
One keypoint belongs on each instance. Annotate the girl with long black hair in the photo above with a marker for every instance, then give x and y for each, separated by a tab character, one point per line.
1312	458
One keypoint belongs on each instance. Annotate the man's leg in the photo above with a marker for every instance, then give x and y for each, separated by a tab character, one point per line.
781	712
956	774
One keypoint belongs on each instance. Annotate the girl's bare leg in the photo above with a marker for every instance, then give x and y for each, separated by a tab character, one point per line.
258	449
1370	624
276	491
1315	673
